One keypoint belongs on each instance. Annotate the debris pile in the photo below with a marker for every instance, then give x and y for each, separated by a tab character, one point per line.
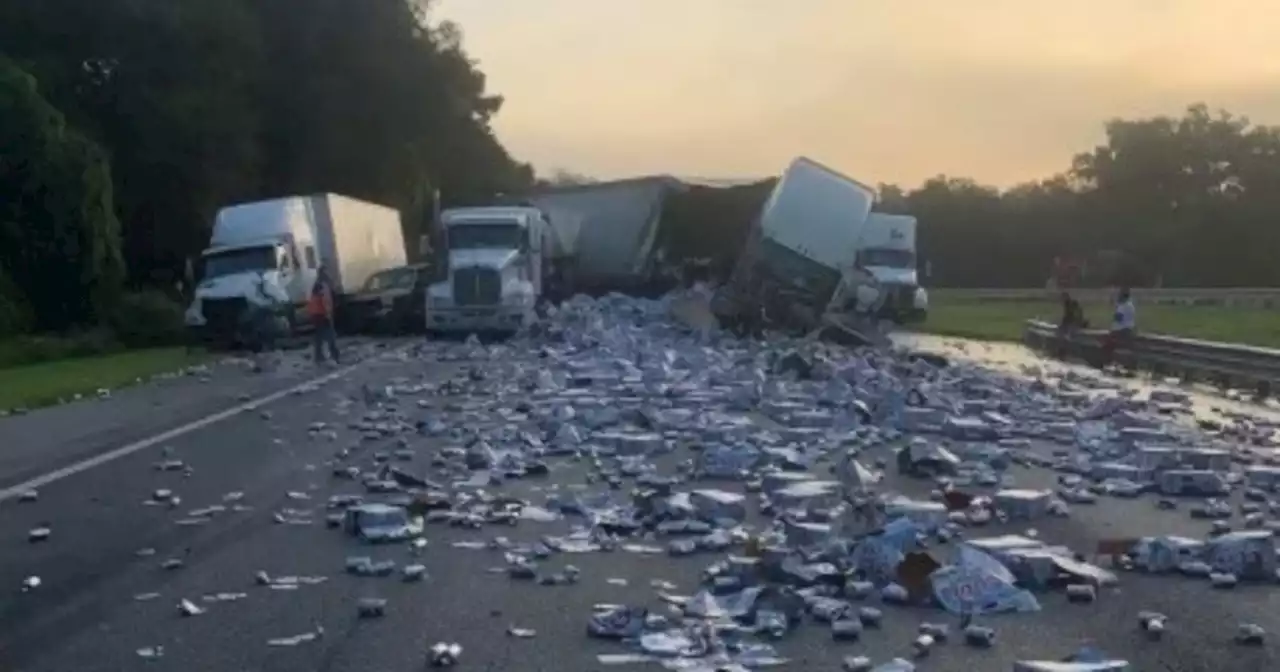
821	486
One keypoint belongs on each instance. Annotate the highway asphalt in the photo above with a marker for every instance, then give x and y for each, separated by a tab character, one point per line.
104	594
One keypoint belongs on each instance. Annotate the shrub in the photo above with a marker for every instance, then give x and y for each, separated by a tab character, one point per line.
147	319
27	350
15	314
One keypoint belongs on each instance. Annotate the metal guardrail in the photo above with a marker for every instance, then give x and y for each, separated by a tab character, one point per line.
1225	364
1254	297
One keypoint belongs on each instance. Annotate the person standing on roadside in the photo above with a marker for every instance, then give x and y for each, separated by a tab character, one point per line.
320	310
1123	323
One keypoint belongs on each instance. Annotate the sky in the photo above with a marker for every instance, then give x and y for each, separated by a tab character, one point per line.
897	91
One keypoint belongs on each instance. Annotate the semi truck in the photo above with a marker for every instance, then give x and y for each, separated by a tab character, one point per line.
498	259
887	250
265	255
799	254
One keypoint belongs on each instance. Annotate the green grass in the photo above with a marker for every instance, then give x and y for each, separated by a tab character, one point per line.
1002	320
44	383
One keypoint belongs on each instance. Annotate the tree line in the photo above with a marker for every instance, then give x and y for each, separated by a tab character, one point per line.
125	125
1184	201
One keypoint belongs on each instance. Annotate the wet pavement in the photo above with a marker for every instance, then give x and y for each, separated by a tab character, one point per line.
106	598
1015	358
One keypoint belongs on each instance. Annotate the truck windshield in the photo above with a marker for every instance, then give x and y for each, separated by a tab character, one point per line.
481	236
240	260
887	258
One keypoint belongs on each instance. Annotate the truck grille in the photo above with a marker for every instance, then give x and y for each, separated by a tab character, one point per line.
223	313
476	287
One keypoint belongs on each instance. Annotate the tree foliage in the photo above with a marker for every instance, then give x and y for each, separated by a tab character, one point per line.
1183	201
198	104
60	260
1186	201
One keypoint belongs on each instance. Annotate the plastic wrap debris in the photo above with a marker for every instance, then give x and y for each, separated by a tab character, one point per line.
978	584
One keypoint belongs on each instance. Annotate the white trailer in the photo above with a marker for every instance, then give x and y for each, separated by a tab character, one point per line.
268	253
799	252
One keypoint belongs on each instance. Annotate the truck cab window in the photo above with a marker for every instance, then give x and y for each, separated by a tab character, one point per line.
239	260
311	256
486	236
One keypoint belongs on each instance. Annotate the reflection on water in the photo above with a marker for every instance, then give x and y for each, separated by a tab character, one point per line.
1016	358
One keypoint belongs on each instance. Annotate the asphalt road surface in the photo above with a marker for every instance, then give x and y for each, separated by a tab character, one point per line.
104	595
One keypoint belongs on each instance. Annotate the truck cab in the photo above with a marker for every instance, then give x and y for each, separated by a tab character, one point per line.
888	252
497	259
259	256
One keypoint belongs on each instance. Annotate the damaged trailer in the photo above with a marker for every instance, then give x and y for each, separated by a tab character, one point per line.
606	232
797	262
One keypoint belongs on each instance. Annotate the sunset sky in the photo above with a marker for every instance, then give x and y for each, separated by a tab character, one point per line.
885	90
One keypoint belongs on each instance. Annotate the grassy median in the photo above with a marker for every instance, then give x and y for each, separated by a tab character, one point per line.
1002	320
46	382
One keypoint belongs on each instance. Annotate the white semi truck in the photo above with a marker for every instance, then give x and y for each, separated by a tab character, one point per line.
800	253
887	251
498	260
266	254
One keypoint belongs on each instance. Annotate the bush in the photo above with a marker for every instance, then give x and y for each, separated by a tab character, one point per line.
147	319
26	350
15	314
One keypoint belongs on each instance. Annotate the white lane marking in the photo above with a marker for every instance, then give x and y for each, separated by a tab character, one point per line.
122	451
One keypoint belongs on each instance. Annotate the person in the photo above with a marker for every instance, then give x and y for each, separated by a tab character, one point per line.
320	310
1072	321
1123	322
1072	314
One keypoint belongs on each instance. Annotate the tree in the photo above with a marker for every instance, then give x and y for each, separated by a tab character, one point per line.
1185	201
59	236
202	104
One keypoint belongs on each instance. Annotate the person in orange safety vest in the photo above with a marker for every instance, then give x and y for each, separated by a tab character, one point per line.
320	310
